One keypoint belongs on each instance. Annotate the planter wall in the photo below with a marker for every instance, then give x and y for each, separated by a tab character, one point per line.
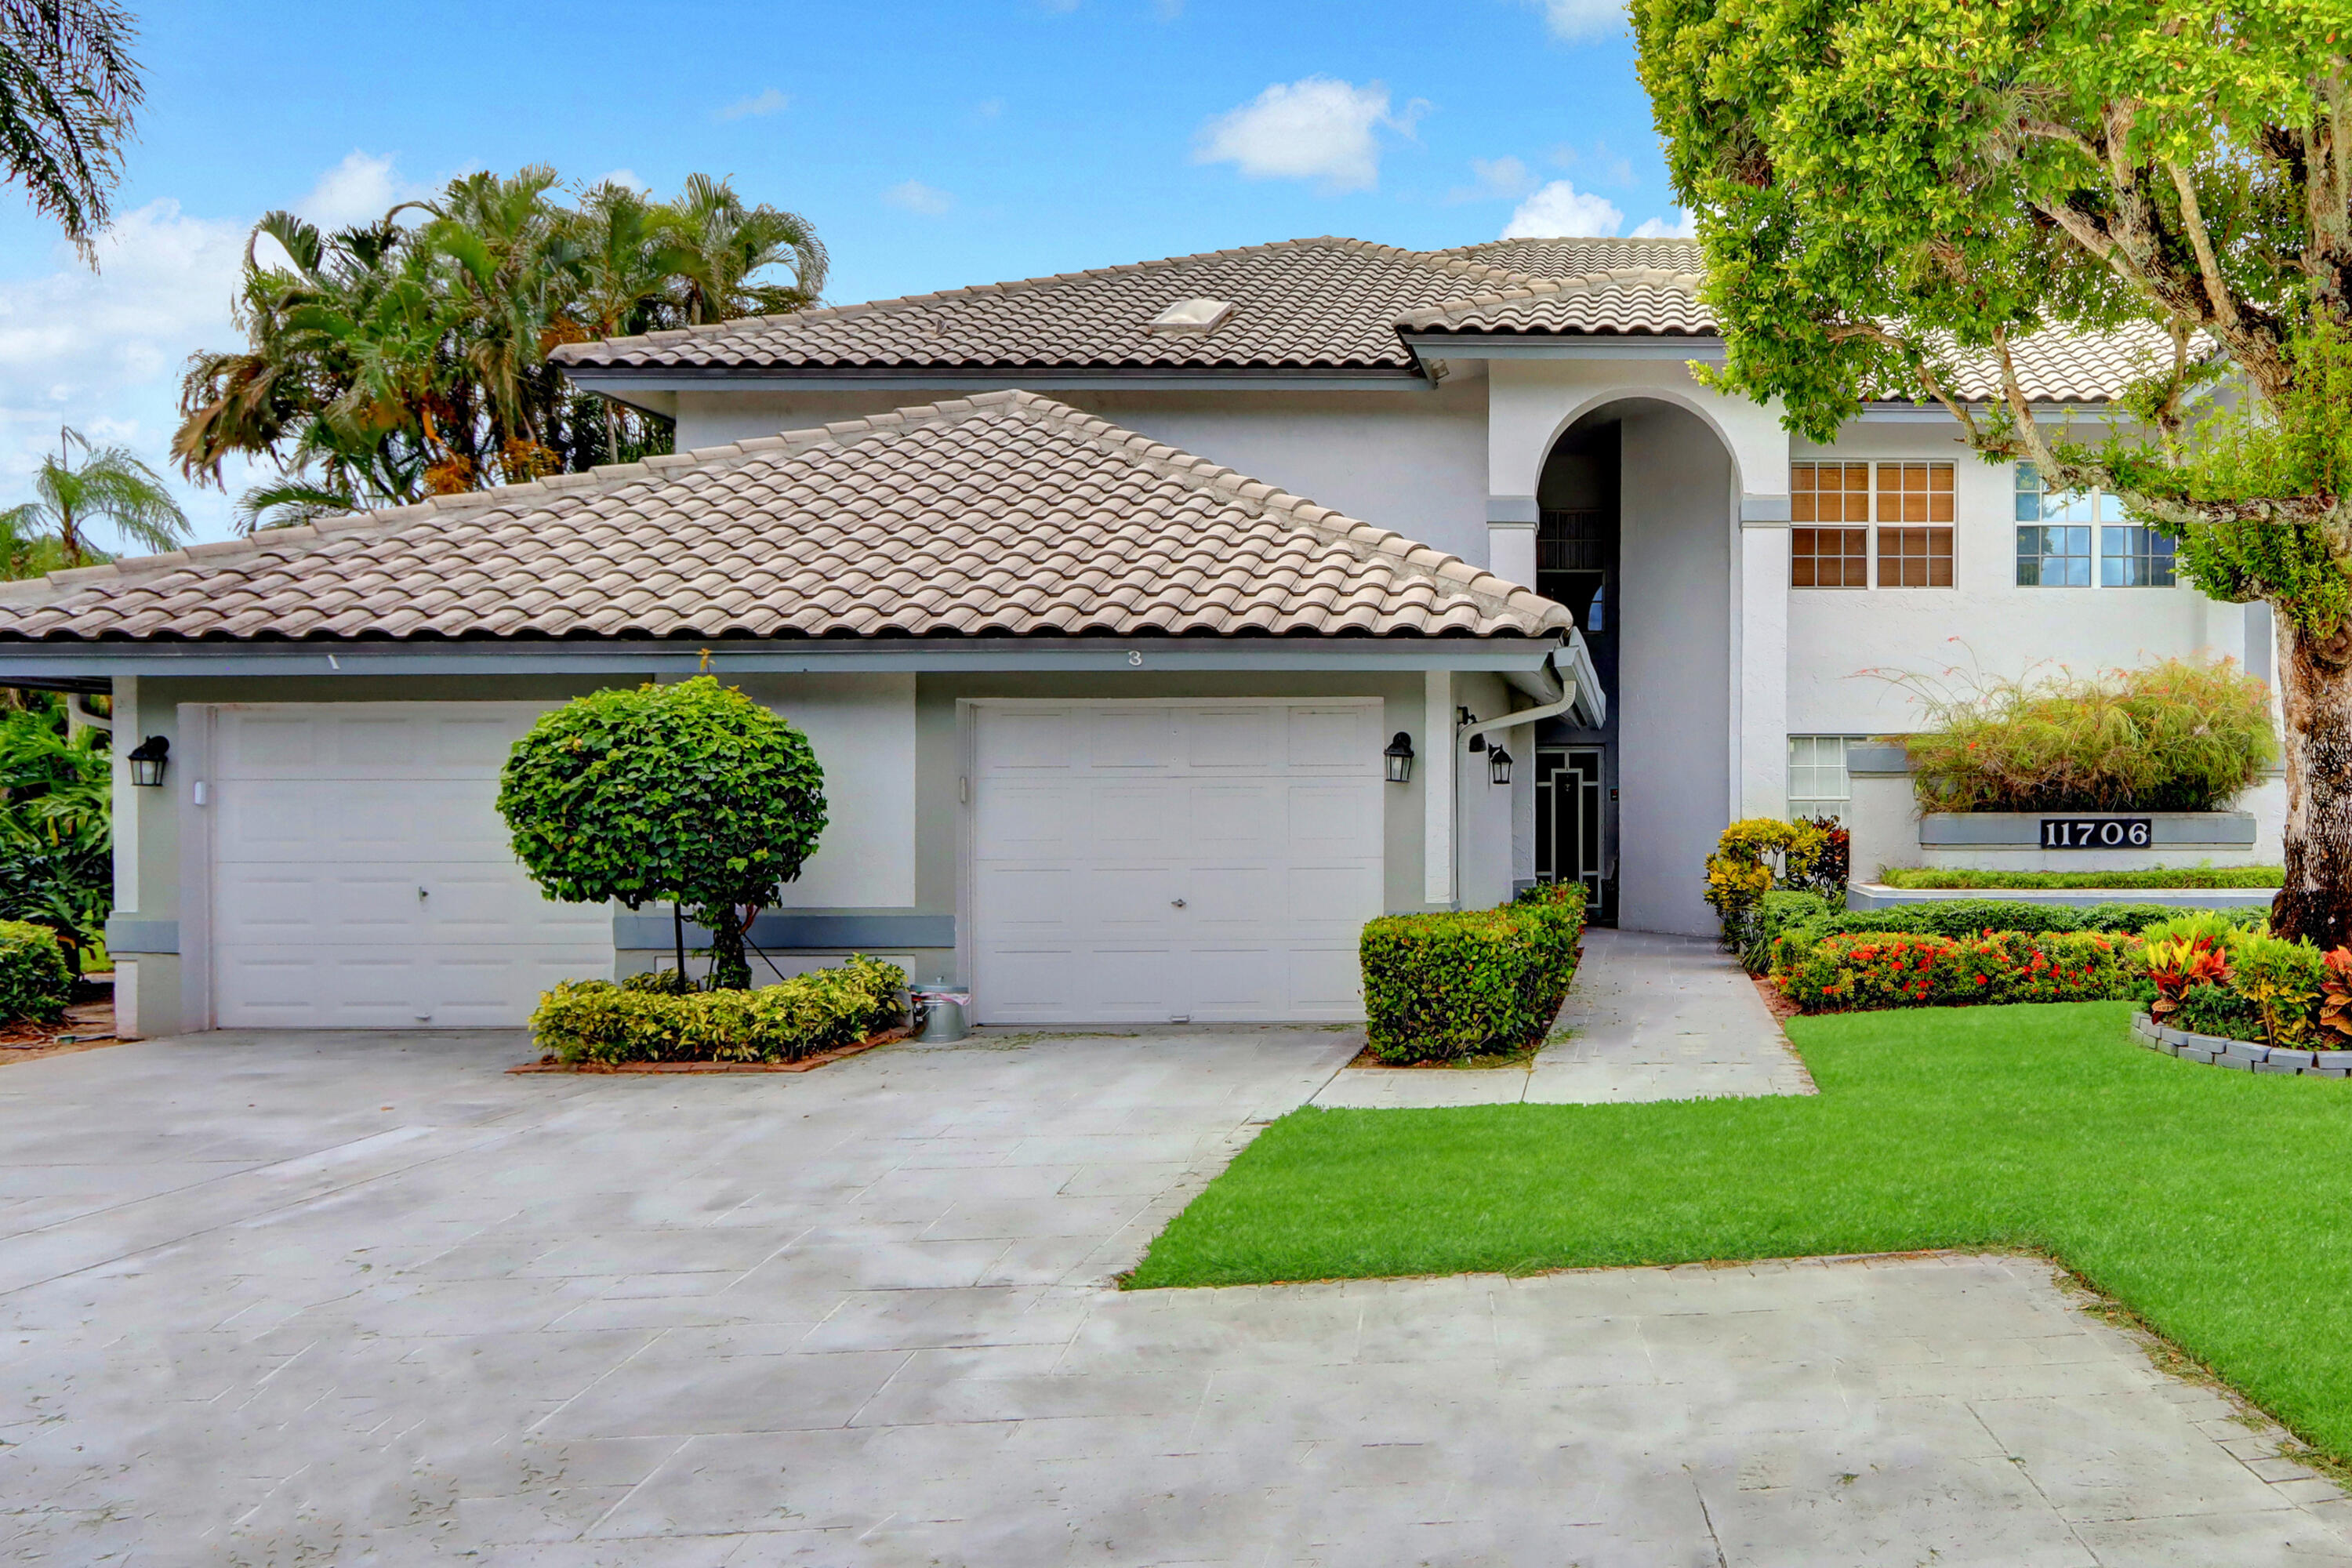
2011	841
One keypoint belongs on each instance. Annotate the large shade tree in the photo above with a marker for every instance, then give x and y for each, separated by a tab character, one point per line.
407	357
1895	195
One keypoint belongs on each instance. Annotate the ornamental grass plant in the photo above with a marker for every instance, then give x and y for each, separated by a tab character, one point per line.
2172	736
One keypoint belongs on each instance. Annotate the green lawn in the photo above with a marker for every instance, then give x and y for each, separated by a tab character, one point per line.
2217	1204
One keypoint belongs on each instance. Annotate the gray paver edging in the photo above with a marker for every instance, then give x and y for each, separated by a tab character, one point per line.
2248	1055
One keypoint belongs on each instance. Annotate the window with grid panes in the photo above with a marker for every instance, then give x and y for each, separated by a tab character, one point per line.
1914	525
2053	540
1829	493
1818	785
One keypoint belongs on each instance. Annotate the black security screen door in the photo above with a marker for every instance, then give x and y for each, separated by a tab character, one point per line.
1571	842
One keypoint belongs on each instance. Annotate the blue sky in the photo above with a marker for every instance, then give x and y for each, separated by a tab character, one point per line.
932	145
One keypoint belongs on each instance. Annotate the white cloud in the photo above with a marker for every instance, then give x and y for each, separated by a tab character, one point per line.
103	351
360	189
756	106
988	109
915	196
1494	180
624	177
1560	209
1683	227
1579	20
1313	129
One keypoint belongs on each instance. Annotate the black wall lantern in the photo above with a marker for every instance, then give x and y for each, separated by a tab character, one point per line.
147	760
1400	758
1498	766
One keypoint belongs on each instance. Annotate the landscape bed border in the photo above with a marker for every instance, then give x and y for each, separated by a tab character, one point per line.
2249	1056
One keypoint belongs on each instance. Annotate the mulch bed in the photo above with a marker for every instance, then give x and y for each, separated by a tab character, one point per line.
806	1064
87	1027
1782	1008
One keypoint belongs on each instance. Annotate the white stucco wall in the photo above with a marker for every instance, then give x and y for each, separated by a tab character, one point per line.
1411	459
1984	624
861	728
1675	682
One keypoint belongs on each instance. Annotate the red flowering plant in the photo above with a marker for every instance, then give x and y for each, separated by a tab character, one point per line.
1863	971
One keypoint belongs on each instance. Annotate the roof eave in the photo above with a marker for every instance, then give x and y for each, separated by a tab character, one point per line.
1439	342
626	382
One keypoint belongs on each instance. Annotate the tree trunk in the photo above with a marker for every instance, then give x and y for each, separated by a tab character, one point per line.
2314	678
730	971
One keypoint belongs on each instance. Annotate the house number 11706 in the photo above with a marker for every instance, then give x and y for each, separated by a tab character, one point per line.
2097	833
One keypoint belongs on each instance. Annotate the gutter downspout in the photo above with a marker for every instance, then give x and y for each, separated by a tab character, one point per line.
1572	665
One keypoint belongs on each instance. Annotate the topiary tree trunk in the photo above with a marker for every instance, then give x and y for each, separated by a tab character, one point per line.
729	970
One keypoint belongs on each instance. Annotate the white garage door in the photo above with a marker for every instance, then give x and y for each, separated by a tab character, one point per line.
1151	861
362	876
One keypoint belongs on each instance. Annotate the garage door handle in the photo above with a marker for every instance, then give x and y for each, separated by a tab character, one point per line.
1177	902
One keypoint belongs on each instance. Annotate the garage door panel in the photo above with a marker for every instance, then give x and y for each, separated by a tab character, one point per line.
1028	741
1264	817
1021	819
1237	738
1325	981
329	820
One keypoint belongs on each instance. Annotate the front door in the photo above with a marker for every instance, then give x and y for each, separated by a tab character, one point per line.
1572	840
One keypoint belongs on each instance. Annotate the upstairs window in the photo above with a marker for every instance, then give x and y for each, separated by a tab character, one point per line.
1828	557
1914	525
2055	533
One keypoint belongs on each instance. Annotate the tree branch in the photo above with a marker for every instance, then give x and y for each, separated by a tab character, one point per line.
2209	264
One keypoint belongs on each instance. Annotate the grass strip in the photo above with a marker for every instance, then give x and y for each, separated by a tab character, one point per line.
2176	877
2216	1205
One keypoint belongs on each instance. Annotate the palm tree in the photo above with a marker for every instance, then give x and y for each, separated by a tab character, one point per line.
725	243
68	85
109	486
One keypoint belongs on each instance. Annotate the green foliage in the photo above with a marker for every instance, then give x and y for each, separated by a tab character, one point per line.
2281	978
1959	918
2171	736
67	88
393	360
57	839
597	1021
2217	1011
34	982
107	485
2212	928
690	794
1761	853
1848	974
1439	987
1998	1128
1778	912
1958	879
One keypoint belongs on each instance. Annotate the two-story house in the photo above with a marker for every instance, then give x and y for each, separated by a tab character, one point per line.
1155	625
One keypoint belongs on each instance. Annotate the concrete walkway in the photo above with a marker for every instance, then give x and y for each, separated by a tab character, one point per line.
1650	1017
340	1298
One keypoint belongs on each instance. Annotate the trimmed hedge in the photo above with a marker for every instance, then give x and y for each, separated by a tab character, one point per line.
1863	971
1959	918
1444	986
1957	878
649	1020
36	981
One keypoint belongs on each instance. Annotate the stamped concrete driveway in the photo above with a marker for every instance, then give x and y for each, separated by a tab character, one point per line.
310	1299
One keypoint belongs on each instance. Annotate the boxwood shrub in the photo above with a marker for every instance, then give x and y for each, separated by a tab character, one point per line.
1871	970
596	1021
35	979
1440	987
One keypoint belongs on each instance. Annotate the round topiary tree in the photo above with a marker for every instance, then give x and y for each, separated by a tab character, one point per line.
690	794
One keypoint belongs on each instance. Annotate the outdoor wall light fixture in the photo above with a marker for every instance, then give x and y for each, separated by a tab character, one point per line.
1400	758
1466	719
147	760
1498	766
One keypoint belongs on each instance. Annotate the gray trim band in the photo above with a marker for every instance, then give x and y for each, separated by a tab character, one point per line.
1875	758
1764	510
2022	830
1513	509
780	931
995	655
619	379
131	935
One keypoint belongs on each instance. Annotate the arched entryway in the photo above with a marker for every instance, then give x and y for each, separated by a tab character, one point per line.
1638	509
